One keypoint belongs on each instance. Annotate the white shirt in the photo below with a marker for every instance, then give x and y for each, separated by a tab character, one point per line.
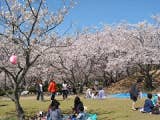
64	86
41	87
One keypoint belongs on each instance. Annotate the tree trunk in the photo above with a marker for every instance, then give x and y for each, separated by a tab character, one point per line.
105	80
19	109
128	72
81	88
148	82
86	81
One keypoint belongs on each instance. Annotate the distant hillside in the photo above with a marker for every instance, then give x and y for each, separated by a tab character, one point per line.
124	85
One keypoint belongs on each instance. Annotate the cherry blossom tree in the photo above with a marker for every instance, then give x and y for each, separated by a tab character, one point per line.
114	49
27	26
146	51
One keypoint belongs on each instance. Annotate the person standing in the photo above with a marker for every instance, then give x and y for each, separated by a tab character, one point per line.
52	88
65	90
39	89
134	93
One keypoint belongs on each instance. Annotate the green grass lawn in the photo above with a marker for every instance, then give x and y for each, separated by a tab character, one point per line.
108	109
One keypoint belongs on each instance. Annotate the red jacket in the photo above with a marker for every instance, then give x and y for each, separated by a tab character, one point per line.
52	87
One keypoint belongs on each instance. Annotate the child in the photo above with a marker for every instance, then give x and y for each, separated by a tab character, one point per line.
148	105
54	112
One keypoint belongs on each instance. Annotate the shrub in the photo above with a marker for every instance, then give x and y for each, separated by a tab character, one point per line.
2	93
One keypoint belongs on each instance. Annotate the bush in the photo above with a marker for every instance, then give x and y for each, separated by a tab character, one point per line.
59	88
32	89
2	93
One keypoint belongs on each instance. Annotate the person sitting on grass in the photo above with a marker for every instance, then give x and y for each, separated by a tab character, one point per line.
101	93
78	107
88	93
54	112
81	115
155	101
77	104
148	105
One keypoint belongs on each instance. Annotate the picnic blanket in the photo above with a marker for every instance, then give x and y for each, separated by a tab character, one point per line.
89	116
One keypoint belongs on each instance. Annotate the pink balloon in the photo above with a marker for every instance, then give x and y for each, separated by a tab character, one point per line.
13	59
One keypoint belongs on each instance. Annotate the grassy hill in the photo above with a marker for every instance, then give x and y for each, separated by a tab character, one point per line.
107	109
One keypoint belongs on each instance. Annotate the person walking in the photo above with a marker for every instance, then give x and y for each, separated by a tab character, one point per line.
65	90
134	93
52	88
39	89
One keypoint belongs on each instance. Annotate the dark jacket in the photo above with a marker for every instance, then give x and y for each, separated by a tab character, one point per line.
134	91
37	87
148	105
77	107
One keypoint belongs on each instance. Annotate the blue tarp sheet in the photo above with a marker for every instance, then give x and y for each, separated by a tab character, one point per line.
124	95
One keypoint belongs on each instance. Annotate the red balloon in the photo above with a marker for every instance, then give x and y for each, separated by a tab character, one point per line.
13	59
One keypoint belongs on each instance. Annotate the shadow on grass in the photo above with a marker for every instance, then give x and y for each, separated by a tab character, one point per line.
3	105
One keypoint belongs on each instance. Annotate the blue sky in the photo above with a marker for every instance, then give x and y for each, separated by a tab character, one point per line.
89	13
